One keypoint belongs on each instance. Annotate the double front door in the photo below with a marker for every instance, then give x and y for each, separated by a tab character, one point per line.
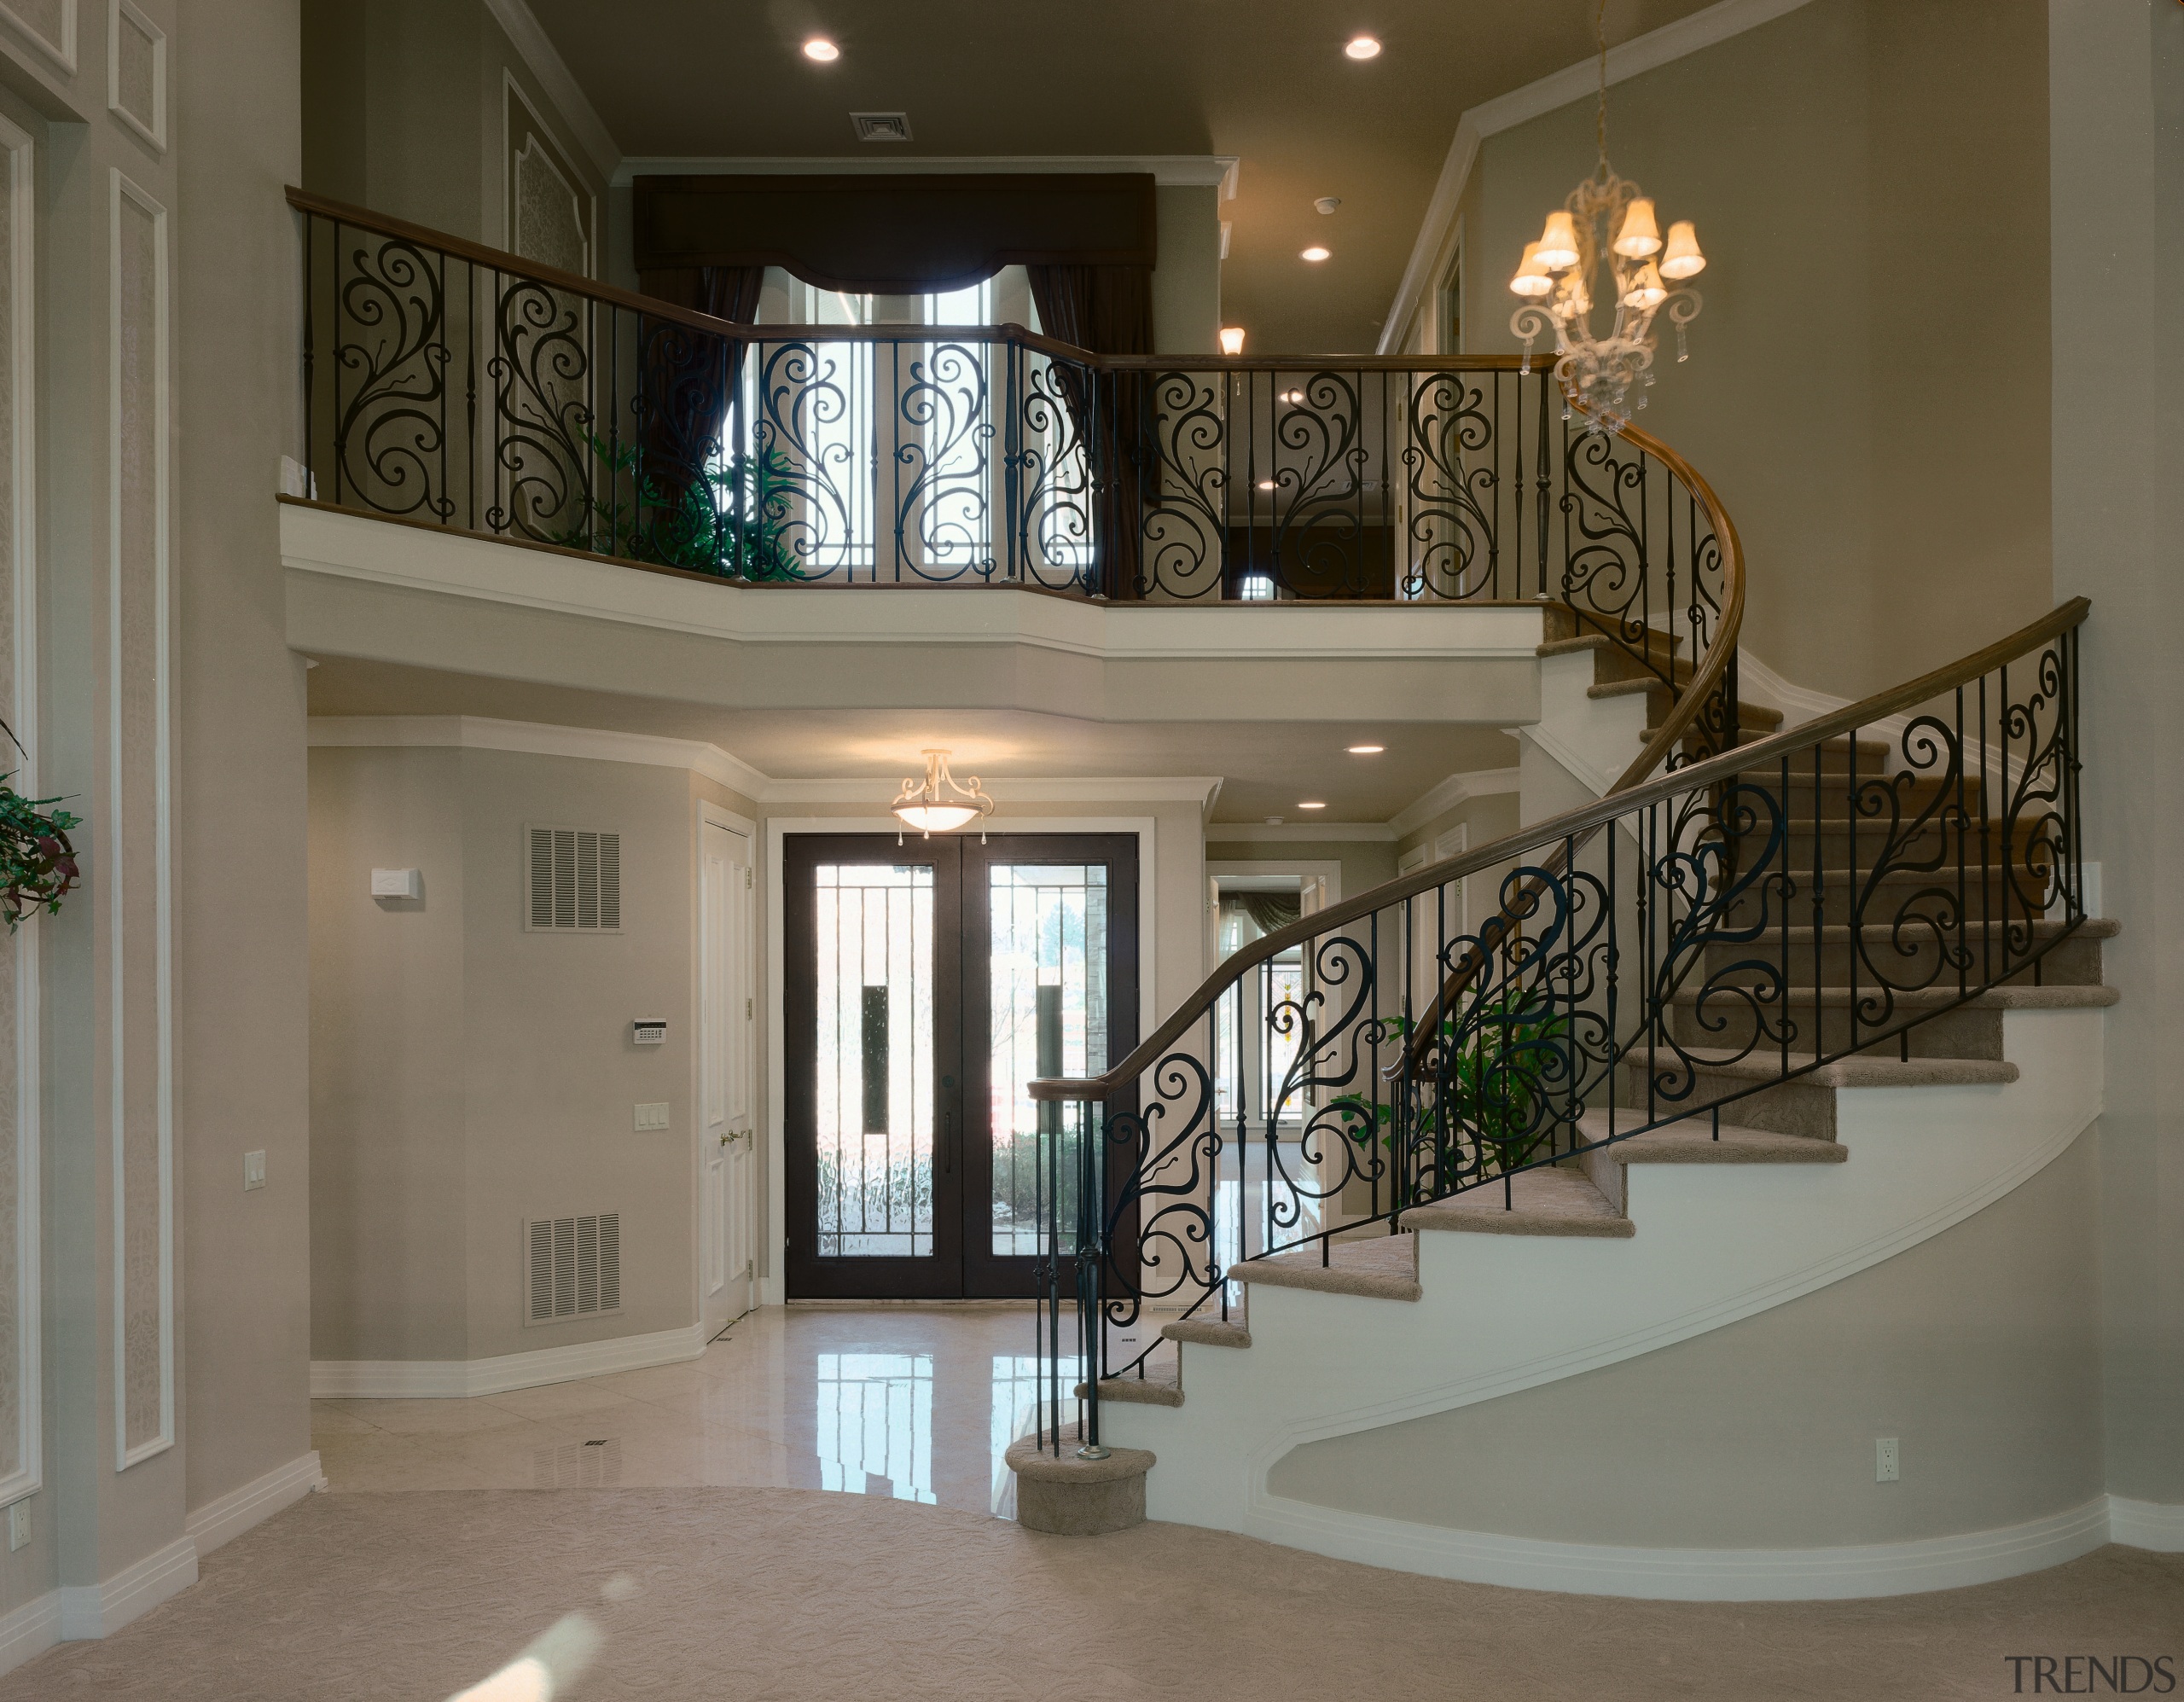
928	983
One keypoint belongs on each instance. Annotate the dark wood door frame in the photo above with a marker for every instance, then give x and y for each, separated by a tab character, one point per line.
962	1264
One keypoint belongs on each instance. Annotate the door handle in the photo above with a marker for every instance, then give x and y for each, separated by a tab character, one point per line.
948	1127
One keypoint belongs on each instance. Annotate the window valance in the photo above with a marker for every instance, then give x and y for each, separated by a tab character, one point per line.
896	235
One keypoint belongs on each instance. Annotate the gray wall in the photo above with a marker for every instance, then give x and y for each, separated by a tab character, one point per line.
1187	281
1868	384
1979	1350
2118	93
466	1074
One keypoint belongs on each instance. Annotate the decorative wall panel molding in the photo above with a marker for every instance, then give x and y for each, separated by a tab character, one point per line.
136	842
20	1434
137	71
550	213
50	25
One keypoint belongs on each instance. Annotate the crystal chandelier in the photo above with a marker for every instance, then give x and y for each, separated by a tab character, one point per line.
1605	215
940	803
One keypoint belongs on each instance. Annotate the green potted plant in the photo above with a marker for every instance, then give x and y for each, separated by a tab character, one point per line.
37	863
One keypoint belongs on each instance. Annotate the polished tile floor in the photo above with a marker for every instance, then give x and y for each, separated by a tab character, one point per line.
917	1405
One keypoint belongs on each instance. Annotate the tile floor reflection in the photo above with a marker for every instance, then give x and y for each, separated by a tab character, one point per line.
917	1405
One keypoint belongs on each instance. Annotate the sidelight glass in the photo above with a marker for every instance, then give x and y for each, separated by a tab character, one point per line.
1048	1015
873	940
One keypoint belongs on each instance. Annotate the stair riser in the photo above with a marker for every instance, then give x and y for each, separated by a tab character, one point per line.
1832	799
2073	962
1952	1034
1792	1107
1839	895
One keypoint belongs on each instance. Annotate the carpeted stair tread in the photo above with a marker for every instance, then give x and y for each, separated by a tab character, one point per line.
1209	1332
1748	714
1549	1201
1838	933
1859	1069
1692	1142
1138	1391
1378	1267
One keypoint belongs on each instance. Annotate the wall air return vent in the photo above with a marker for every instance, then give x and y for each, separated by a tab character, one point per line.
572	1266
881	126
575	881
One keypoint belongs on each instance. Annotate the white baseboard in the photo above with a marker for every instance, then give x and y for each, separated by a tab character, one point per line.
413	1380
2146	1524
228	1517
1689	1574
31	1629
99	1610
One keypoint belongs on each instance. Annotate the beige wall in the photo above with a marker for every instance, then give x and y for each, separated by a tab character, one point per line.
1187	281
467	1074
2118	90
403	114
1979	1350
1868	384
1365	862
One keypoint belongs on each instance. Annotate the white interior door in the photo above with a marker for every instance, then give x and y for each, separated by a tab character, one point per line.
726	1158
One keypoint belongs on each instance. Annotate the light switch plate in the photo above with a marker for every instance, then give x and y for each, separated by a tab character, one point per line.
253	1171
19	1526
651	1117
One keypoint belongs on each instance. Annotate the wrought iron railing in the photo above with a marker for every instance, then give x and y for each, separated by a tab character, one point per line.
453	384
1685	944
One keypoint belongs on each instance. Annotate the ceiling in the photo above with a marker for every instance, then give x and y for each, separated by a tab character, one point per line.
1265	80
1267	768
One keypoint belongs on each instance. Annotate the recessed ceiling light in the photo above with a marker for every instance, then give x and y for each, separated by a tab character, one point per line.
1363	47
1367	750
824	51
1316	254
1310	805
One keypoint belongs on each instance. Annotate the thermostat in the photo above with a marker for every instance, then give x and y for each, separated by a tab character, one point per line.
398	883
649	1031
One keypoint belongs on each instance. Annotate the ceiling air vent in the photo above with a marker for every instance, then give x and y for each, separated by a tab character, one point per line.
881	126
572	1266
575	881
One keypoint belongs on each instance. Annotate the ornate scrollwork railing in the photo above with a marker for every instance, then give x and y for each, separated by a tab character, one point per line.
1692	939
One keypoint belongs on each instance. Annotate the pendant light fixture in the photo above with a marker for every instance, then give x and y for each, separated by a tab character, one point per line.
1606	231
940	803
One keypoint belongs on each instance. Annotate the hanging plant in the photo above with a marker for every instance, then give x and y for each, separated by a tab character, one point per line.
37	865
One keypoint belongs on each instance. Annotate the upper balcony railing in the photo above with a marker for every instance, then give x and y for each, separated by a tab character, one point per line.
457	386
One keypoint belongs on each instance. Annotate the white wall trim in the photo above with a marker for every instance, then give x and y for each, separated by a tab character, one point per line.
124	13
99	1610
227	1516
1013	790
122	190
1261	833
544	62
1303	868
30	1630
62	53
772	1287
2158	1526
430	1379
1576	82
1456	789
1691	1574
21	188
1169	171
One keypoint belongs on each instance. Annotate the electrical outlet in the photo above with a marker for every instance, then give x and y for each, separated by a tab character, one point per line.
253	1171
1886	1464
650	1117
19	1526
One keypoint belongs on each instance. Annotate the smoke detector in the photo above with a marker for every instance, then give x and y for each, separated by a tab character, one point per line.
1328	203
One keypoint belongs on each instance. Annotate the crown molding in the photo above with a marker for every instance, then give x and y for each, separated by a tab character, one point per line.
558	83
698	757
1633	58
1457	788
1169	171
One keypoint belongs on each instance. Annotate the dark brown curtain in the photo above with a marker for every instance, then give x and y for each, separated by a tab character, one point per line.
1107	311
688	376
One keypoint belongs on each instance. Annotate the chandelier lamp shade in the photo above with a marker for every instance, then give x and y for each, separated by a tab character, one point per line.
940	803
1605	237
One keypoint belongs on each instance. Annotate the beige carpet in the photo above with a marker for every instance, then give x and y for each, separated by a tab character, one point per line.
748	1593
